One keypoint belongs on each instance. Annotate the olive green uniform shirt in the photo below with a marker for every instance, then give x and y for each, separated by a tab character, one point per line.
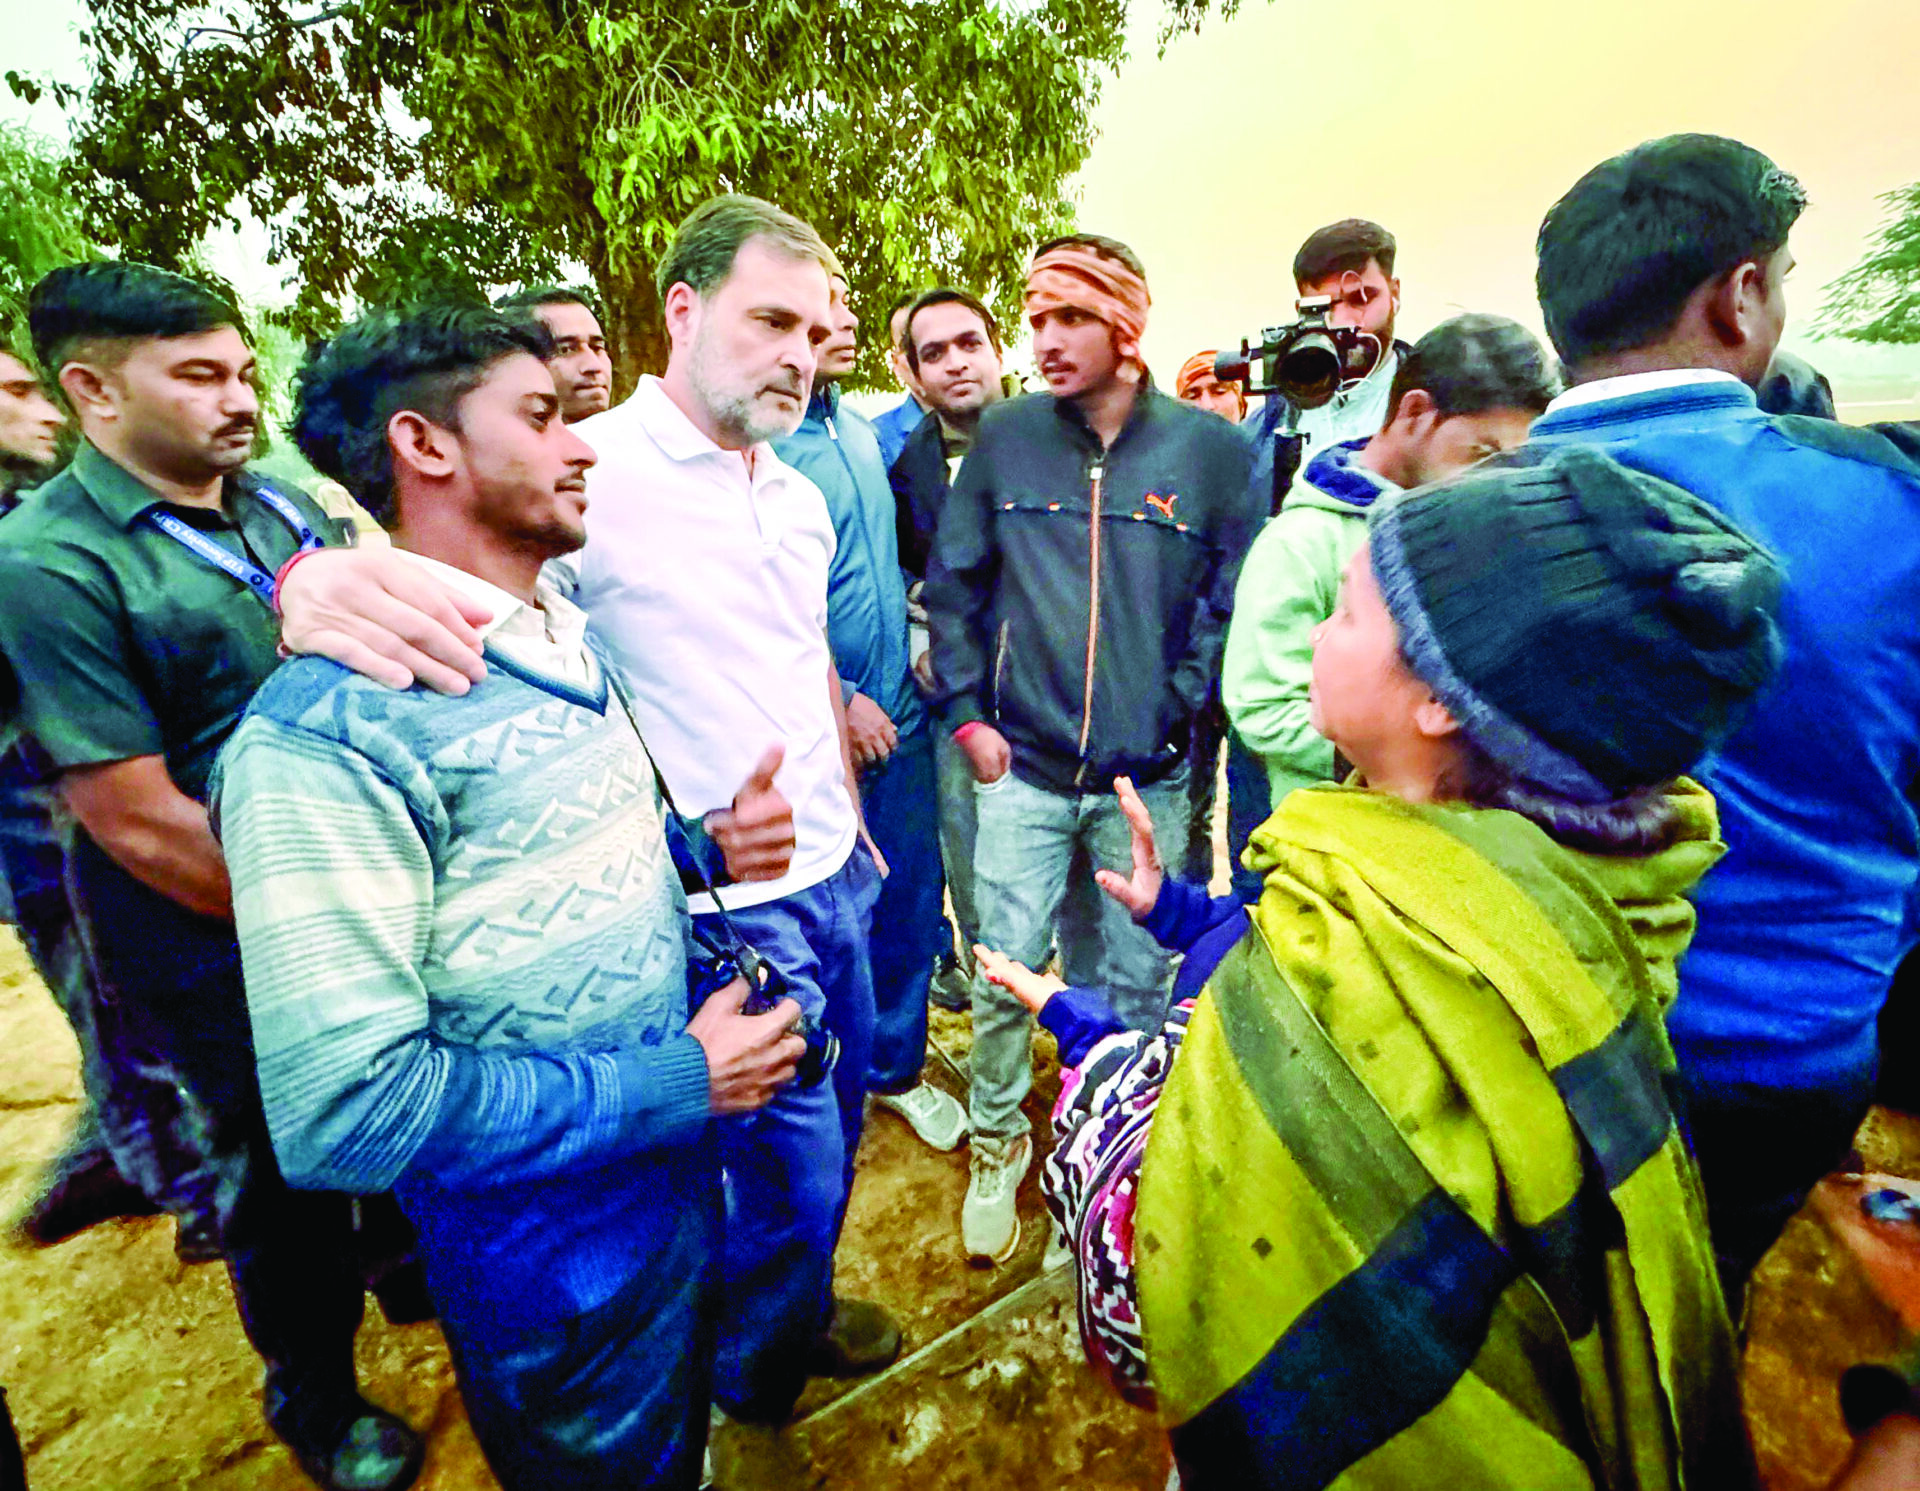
124	642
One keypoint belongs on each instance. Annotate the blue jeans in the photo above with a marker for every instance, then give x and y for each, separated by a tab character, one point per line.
790	1165
900	798
615	1398
1077	929
955	785
1025	851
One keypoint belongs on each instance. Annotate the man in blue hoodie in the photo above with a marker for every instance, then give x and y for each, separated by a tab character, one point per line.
887	730
1661	278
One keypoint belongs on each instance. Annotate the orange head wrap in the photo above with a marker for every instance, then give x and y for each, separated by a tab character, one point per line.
1071	274
1199	366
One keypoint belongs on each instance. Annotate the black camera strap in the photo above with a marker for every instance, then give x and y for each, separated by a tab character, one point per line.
705	939
822	1048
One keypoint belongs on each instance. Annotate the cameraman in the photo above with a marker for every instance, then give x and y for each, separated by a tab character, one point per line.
1351	263
1472	387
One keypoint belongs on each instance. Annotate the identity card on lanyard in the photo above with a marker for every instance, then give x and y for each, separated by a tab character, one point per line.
220	557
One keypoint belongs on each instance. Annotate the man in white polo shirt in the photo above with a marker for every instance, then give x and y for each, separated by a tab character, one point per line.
705	575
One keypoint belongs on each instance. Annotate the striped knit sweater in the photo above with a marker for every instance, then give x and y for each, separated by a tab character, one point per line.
464	945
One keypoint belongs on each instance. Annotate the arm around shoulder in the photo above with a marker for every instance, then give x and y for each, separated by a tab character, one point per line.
333	899
383	616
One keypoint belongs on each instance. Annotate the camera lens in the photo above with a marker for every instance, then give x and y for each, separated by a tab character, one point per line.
1309	374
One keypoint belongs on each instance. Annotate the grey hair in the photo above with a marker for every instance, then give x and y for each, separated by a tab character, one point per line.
1642	821
712	235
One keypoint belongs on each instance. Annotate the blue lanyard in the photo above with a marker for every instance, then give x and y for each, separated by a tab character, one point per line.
220	557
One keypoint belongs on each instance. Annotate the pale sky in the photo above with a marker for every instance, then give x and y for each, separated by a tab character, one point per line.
1456	123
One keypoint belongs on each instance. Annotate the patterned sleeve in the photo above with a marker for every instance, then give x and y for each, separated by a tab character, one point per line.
1092	1178
332	899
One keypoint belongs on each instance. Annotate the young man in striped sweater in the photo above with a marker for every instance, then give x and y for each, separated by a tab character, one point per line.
465	943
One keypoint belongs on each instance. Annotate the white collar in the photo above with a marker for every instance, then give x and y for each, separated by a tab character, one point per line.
561	620
678	437
1628	384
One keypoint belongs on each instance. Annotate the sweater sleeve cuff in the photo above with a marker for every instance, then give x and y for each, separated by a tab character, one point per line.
669	1091
1179	905
1079	1020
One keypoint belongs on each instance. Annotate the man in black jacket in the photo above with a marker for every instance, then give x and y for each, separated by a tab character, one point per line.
1078	595
951	345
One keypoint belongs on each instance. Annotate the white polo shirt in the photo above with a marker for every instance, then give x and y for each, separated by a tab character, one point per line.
709	589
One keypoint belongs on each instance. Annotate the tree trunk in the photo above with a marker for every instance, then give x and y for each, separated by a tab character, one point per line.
636	333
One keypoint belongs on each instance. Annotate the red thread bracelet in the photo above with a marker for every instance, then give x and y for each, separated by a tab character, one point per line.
280	575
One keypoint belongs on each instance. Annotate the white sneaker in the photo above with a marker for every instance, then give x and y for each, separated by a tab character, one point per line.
989	1220
1058	1254
716	1420
935	1116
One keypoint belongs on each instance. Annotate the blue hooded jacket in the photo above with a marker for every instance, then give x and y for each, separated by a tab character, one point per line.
1803	923
893	428
836	449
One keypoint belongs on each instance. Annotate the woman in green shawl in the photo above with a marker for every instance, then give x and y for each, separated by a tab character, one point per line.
1397	1198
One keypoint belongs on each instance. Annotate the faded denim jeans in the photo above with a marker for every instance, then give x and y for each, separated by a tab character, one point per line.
1024	850
956	789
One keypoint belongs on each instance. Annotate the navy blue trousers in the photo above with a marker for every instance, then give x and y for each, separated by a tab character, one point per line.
901	801
789	1167
170	1015
1761	1151
615	1399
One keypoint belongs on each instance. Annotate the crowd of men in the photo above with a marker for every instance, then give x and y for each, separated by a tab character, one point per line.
531	946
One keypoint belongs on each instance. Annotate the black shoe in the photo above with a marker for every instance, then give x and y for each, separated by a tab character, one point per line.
403	1297
13	1463
346	1444
85	1189
862	1338
952	986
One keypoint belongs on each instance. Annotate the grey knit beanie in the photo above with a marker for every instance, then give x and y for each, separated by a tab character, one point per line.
1593	629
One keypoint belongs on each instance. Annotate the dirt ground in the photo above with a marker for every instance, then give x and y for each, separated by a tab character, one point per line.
127	1371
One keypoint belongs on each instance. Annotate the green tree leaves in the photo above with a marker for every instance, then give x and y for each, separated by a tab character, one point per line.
399	146
1878	300
39	228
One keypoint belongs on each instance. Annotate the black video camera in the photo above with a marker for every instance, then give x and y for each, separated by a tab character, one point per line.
1306	362
766	987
